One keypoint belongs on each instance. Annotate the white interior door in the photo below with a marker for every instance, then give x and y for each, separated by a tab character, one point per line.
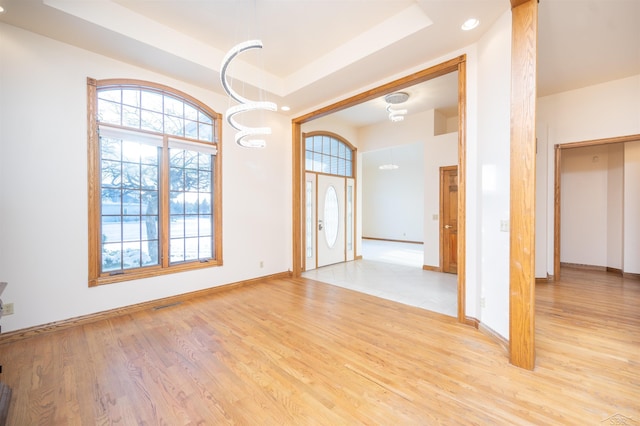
331	220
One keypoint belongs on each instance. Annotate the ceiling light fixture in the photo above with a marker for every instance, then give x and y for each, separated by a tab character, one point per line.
470	24
389	166
396	115
1	9
245	105
396	98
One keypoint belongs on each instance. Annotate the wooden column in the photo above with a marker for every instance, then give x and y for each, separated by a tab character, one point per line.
523	188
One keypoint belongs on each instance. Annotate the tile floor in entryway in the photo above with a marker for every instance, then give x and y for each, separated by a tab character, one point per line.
393	271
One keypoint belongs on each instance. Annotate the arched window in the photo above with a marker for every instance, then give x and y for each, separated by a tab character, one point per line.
154	181
328	153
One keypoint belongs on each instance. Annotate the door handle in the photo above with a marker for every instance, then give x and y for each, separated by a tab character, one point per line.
448	226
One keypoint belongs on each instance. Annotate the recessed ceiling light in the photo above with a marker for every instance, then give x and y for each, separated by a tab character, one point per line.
285	108
1	9
470	24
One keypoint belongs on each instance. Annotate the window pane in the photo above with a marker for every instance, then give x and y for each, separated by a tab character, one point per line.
326	145
151	121
190	159
205	248
191	226
177	203
176	229
191	129
149	202
203	118
111	229
326	164
131	97
110	149
151	101
173	125
176	157
131	255
150	254
176	250
191	203
130	175
341	150
204	203
190	180
191	248
131	202
204	161
308	165
205	132
205	226
317	144
131	229
111	173
173	106
176	182
204	183
109	112
149	154
190	112
113	95
149	176
111	257
131	151
130	117
334	147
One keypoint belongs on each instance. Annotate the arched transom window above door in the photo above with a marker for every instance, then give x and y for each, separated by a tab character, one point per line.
328	153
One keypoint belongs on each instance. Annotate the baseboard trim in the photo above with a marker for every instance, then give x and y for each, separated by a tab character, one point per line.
614	270
392	241
583	266
487	331
431	268
37	330
473	322
631	275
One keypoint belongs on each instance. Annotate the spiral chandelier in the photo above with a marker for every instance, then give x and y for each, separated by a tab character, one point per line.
245	135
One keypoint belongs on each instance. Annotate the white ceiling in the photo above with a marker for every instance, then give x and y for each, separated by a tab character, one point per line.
317	52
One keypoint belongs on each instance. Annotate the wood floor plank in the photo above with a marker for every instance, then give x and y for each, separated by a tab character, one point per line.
300	352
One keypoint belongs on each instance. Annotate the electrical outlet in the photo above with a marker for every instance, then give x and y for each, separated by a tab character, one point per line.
7	309
483	303
504	226
262	263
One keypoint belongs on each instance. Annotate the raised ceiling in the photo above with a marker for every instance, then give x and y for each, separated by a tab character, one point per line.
319	51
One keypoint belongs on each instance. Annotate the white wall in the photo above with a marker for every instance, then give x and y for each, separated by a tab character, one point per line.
632	208
601	111
43	188
615	206
493	173
392	200
584	201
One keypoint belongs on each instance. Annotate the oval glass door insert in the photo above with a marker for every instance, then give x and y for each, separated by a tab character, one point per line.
331	216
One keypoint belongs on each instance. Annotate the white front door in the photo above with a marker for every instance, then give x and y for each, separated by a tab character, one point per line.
331	220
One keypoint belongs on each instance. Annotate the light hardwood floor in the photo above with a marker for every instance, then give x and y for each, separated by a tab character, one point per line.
301	352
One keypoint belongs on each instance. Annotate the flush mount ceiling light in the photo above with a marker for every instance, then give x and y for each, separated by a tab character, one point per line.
470	24
245	105
396	98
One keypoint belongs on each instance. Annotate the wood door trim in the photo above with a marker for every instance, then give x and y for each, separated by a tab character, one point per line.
557	185
456	64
